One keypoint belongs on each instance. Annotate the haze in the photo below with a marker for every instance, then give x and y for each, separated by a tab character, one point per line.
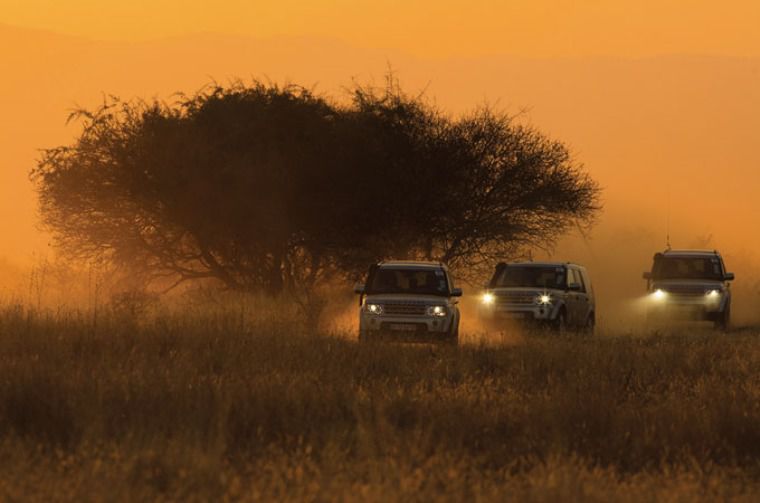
660	100
439	28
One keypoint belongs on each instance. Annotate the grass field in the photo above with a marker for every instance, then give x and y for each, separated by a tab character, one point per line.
197	407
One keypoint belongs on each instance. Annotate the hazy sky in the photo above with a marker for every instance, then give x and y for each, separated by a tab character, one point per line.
659	99
547	28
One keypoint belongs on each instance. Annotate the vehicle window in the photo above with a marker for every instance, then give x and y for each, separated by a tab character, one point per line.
587	282
580	280
687	268
530	276
412	281
571	277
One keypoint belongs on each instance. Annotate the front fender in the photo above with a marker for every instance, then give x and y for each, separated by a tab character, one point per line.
557	306
725	302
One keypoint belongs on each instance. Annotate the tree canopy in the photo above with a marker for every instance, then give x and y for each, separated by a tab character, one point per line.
265	187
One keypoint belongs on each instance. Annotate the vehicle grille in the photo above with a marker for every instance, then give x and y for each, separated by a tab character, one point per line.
516	298
685	291
404	309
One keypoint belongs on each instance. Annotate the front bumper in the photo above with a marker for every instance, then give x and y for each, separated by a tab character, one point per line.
412	327
502	313
688	306
685	310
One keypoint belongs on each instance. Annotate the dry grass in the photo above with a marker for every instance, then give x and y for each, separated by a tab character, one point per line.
202	407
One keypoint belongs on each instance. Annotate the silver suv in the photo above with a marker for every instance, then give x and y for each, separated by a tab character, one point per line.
689	284
409	300
556	294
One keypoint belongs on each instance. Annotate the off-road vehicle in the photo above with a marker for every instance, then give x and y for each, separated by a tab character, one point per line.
553	294
689	284
409	300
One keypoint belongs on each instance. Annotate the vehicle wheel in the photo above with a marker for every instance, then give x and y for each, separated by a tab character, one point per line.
452	338
559	324
724	320
653	320
648	319
590	326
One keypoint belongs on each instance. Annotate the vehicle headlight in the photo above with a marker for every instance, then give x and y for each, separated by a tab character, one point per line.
544	299
659	294
488	298
436	311
374	308
713	295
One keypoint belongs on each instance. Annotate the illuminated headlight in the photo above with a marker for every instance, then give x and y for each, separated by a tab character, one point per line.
488	298
713	295
544	299
374	308
659	294
436	311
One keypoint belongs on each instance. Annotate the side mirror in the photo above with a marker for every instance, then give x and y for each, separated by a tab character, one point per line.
359	289
729	276
647	275
456	292
574	287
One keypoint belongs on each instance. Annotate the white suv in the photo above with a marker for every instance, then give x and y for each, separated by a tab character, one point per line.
689	284
556	294
409	300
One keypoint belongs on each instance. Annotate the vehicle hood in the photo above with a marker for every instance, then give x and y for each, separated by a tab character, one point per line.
381	298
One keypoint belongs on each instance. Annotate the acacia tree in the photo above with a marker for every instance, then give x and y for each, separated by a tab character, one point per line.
474	190
273	188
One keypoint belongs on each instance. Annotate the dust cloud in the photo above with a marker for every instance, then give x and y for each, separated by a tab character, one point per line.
669	138
617	256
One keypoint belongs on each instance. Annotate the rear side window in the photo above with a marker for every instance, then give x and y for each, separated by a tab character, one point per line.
571	278
580	280
587	282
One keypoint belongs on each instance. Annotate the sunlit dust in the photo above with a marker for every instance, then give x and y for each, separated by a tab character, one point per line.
209	347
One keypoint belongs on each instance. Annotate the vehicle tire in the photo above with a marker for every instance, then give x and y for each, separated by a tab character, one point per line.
452	338
363	338
723	321
559	324
590	326
653	320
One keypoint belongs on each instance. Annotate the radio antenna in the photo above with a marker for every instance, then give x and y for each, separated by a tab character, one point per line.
667	225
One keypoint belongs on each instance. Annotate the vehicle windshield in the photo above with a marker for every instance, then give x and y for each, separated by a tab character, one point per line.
409	281
530	277
687	268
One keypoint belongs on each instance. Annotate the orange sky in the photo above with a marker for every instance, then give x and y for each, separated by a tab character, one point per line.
660	100
431	27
